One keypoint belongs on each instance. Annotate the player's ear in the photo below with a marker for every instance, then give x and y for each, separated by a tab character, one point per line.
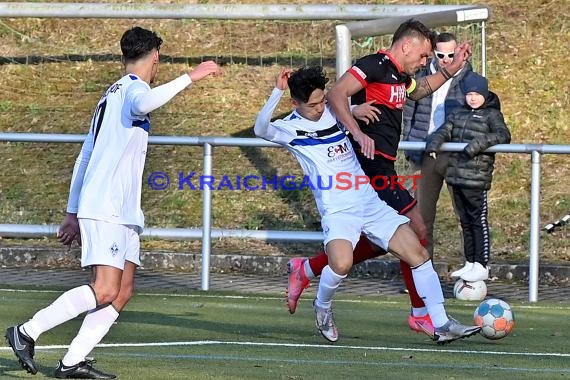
406	45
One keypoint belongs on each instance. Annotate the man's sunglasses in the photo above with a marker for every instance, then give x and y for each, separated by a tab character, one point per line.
441	55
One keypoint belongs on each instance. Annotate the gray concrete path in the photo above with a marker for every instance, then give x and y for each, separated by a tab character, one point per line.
157	281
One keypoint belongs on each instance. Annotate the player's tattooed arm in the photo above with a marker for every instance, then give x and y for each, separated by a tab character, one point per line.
423	89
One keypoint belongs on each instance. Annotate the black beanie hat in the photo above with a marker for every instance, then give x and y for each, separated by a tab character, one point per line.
473	82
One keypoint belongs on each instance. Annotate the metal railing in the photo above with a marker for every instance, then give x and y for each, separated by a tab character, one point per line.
206	233
265	12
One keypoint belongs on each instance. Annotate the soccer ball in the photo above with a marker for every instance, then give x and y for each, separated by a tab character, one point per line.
496	318
470	291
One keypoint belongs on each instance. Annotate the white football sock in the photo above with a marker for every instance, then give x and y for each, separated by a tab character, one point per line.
429	288
67	306
419	311
95	326
308	271
327	287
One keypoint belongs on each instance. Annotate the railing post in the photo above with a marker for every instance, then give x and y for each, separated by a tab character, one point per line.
534	226
483	49
206	218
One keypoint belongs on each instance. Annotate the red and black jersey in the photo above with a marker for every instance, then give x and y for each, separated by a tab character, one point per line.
385	82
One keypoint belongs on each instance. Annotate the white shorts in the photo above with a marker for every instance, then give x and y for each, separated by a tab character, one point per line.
104	243
375	219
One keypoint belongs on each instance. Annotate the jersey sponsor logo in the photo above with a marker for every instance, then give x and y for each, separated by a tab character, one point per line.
398	95
391	95
335	150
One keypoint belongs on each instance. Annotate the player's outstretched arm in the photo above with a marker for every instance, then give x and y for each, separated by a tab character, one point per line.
203	70
145	101
263	121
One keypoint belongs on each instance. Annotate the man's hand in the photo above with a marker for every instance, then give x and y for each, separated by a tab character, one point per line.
366	112
69	230
366	144
203	70
461	54
282	78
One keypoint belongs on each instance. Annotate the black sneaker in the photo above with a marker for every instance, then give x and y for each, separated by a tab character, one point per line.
82	370
23	347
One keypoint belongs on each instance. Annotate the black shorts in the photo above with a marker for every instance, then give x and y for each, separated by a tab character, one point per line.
387	183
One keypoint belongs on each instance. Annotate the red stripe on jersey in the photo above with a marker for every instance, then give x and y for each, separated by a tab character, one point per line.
405	210
359	75
385	155
392	95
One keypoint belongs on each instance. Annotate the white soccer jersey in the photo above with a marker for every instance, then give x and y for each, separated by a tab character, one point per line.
324	152
107	178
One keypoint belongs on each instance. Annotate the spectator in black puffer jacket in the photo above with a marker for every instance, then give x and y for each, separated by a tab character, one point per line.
481	125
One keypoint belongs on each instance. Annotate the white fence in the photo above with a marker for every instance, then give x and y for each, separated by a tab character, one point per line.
206	233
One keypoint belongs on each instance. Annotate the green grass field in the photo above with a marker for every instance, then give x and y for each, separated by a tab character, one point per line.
233	336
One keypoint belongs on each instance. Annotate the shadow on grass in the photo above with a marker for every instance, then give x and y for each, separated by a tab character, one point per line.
299	202
220	329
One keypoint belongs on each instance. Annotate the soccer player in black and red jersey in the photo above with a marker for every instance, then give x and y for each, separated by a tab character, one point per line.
383	80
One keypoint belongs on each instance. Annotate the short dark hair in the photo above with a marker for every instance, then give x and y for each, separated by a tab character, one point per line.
445	37
413	28
305	80
138	42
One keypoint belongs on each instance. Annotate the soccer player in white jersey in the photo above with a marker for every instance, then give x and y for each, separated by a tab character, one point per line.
104	207
313	135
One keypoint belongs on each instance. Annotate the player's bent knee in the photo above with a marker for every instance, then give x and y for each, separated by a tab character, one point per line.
126	293
341	269
106	295
423	254
416	255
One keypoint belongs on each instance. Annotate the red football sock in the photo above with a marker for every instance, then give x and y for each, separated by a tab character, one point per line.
318	263
415	298
364	251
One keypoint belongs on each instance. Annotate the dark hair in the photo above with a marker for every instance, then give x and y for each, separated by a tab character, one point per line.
445	37
413	28
138	42
305	80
